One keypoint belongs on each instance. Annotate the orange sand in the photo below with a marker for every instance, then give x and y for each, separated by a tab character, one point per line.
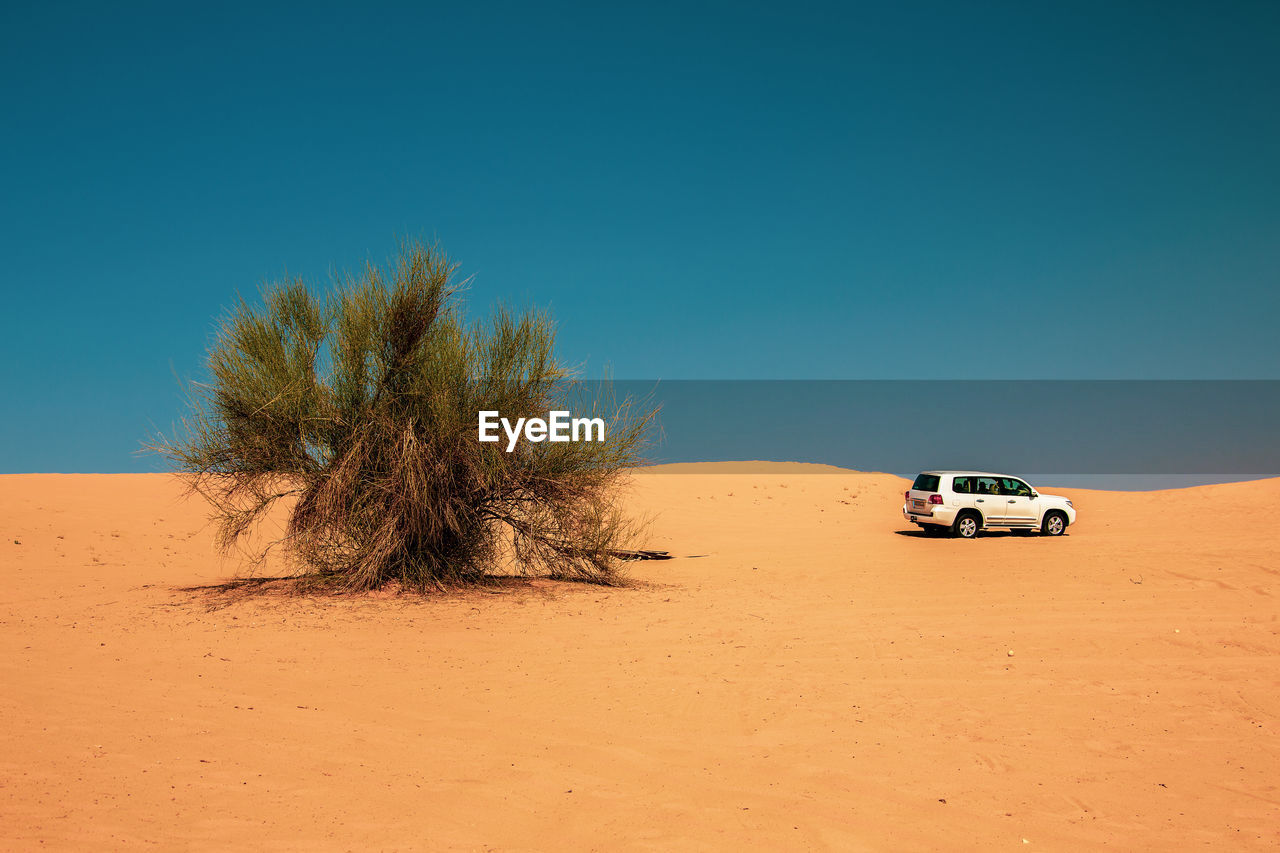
804	677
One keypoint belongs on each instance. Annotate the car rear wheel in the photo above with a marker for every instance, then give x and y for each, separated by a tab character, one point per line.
966	526
1055	524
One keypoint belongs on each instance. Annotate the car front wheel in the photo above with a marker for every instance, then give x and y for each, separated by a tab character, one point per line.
1055	524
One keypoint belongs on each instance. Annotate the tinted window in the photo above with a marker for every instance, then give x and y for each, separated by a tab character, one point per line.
988	486
962	485
1016	488
926	483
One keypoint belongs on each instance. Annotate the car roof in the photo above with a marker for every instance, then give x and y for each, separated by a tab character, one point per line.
971	474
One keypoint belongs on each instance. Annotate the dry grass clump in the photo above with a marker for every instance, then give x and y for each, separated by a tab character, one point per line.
359	410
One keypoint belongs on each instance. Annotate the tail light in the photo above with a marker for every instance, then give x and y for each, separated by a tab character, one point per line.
906	496
935	499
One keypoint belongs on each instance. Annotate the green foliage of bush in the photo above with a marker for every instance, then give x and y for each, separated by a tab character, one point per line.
359	410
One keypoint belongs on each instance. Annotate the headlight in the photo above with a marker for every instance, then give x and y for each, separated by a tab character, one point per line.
1070	504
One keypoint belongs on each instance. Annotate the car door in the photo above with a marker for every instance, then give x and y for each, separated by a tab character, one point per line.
1019	506
988	501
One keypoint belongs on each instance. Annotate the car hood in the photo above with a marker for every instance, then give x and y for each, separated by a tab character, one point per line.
1057	498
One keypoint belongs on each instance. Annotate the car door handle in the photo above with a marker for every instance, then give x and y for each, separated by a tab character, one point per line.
979	500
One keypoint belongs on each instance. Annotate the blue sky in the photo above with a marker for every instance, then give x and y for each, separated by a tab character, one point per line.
734	190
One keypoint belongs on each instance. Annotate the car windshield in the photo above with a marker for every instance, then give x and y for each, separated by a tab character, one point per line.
926	483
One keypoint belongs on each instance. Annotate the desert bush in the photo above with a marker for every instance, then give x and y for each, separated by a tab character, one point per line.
358	409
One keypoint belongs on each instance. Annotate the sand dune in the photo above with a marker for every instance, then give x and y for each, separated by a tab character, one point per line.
807	675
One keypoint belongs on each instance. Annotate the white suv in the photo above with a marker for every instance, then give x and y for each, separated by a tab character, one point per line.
964	502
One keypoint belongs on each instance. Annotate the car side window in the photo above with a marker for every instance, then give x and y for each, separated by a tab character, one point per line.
1014	488
988	486
962	486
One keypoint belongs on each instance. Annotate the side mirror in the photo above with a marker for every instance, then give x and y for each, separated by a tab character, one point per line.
1034	495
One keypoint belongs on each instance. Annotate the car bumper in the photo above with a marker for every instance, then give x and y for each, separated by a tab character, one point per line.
935	514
